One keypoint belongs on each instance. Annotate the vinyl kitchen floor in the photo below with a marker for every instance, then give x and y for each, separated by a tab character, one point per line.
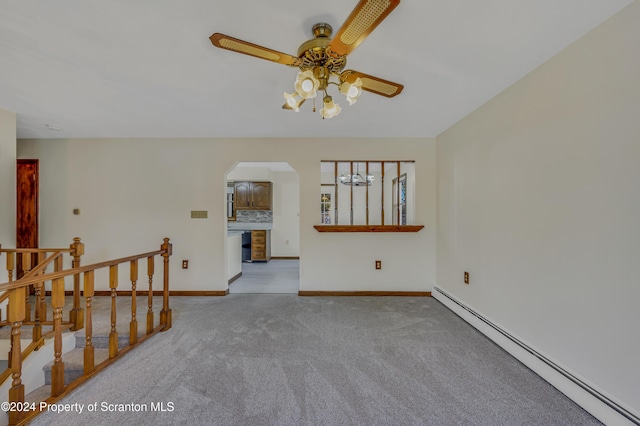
276	276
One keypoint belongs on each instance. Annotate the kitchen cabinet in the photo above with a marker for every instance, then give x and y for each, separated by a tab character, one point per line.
253	195
261	245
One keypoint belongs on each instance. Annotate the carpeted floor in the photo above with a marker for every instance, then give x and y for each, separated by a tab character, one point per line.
267	359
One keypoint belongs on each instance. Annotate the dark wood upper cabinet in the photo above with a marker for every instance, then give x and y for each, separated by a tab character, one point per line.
262	195
253	195
243	195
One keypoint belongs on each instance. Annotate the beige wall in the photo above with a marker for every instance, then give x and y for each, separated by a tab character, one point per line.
285	236
134	192
539	199
7	179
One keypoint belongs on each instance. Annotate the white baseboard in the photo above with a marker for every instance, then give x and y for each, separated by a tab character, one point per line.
599	404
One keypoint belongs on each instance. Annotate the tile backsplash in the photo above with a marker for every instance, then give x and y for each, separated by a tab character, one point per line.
254	216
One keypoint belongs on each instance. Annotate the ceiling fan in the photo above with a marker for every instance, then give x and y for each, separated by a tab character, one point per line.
322	59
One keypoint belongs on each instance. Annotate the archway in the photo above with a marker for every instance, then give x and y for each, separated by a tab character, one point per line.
263	228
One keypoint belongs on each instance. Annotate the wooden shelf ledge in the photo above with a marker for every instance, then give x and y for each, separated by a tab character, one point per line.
368	228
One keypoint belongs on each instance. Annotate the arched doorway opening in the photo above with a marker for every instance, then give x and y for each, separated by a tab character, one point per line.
263	228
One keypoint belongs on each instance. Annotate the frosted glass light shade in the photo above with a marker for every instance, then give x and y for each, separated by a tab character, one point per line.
352	90
293	100
306	84
330	108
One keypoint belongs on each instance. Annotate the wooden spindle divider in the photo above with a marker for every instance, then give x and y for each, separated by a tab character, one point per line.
36	333
10	265
16	315
76	315
165	314
113	336
57	370
26	268
133	326
89	358
150	267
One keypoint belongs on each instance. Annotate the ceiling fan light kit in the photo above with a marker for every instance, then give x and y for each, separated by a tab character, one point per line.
322	59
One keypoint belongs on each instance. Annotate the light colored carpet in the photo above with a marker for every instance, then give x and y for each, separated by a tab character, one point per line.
249	359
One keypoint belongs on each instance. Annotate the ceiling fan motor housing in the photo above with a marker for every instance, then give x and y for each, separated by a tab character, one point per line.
316	53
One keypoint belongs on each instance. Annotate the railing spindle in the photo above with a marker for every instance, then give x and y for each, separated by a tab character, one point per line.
89	359
113	336
75	315
26	267
38	287
57	302
133	327
16	316
10	263
150	266
165	314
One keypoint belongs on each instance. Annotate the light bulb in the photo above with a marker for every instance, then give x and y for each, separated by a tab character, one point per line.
307	85
352	90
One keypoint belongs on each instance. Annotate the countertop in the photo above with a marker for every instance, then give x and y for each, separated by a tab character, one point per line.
246	226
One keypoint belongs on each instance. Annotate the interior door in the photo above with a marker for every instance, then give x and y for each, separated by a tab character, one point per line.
27	208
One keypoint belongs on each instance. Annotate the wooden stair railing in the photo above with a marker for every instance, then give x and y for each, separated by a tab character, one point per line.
17	290
28	260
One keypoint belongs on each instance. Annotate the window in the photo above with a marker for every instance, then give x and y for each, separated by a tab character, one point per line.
326	212
400	200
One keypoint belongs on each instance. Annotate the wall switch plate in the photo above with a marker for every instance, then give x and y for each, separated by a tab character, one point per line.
466	277
185	264
199	214
378	264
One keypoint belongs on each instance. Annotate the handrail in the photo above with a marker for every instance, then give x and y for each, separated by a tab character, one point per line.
22	282
18	310
41	266
35	250
31	262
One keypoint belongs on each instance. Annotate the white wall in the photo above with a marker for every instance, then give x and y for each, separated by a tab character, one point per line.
134	192
539	199
7	179
285	235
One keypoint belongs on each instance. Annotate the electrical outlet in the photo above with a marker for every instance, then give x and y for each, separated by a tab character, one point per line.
466	277
378	264
185	264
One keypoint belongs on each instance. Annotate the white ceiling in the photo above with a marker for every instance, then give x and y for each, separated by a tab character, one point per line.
123	68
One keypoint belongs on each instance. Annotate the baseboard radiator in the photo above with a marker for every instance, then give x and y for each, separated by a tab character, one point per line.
617	413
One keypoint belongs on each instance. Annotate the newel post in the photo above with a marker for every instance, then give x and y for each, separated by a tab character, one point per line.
15	316
76	316
165	314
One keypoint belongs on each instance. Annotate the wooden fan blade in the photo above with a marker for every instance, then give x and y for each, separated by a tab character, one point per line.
236	45
363	20
373	84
